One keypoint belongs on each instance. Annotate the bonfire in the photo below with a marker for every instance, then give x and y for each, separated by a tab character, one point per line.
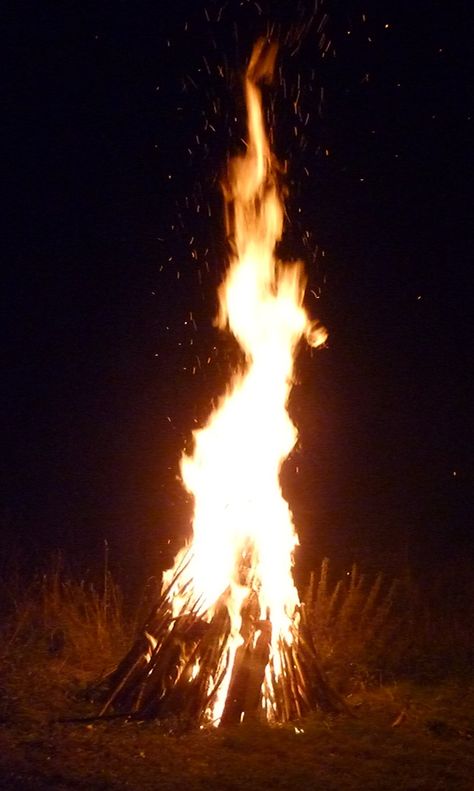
228	640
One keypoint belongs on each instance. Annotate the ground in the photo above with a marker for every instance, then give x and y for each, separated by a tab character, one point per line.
401	736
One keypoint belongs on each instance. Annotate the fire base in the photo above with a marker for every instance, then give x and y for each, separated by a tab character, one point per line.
177	667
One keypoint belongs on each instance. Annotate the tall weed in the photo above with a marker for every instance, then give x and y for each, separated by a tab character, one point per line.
377	629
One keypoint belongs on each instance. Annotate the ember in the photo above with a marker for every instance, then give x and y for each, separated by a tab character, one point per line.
228	640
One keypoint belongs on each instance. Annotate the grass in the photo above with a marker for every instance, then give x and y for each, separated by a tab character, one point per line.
59	633
413	723
381	630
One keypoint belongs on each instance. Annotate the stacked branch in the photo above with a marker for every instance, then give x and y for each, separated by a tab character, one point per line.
177	665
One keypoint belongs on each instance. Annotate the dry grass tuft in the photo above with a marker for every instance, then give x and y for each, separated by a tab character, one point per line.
378	630
59	633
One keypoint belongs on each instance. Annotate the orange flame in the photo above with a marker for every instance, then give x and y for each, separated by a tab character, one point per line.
243	532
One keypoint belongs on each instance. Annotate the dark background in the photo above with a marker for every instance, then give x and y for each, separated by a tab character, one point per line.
118	119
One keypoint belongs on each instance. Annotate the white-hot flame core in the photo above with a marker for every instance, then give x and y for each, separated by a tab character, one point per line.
243	533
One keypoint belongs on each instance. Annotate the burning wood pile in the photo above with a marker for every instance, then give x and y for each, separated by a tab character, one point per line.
228	639
180	666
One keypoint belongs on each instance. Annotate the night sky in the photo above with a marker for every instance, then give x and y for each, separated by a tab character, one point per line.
119	118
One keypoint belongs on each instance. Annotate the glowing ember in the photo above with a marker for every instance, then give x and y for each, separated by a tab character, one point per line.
243	534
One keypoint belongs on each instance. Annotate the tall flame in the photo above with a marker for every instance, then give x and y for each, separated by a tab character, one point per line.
243	532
